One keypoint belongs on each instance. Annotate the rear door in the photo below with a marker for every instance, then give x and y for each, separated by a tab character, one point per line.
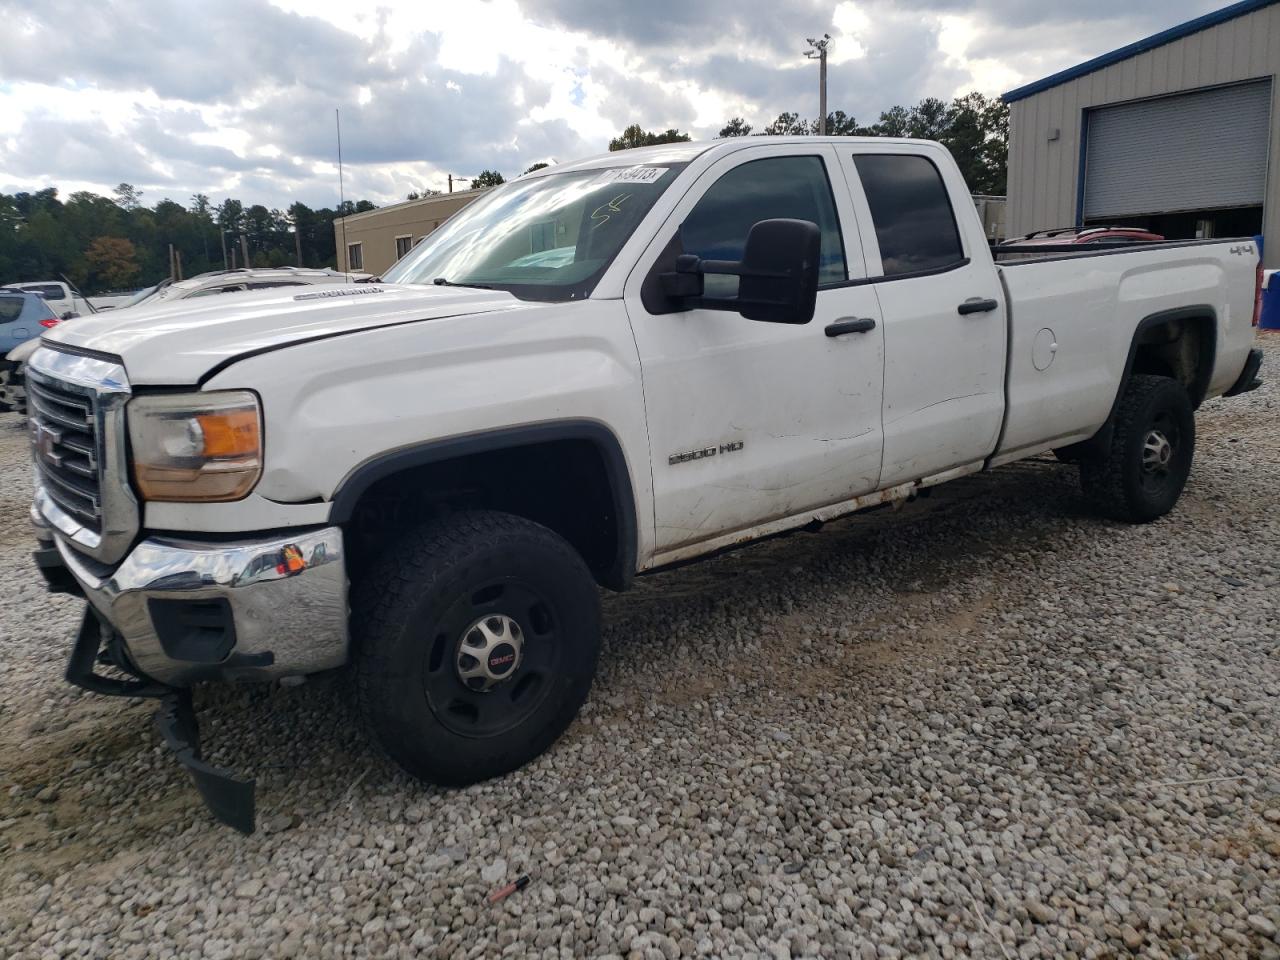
751	422
943	308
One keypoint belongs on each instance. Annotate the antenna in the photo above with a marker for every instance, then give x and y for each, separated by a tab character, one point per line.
342	196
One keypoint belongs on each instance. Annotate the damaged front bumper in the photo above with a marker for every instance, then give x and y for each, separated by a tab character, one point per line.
177	611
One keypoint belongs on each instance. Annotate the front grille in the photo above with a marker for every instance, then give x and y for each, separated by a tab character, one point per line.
65	431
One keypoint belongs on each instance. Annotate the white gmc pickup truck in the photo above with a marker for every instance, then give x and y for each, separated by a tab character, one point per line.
594	371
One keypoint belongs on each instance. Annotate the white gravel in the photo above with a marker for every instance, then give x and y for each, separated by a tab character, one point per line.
989	725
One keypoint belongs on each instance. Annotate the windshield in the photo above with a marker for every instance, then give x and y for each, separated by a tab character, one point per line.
549	238
138	297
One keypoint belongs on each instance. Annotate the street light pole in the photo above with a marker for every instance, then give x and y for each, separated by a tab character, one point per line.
818	51
459	179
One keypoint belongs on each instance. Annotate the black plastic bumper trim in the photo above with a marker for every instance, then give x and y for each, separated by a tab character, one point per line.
1248	379
84	654
229	798
57	577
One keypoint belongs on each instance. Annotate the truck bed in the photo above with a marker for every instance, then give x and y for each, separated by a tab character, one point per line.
1073	317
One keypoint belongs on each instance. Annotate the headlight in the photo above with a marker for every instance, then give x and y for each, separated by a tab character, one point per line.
196	446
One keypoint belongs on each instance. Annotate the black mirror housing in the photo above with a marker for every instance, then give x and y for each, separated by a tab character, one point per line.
777	275
779	271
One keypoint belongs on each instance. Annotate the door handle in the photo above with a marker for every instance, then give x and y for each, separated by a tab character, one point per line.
977	305
850	325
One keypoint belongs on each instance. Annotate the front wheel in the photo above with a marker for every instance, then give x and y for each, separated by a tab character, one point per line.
1141	475
477	637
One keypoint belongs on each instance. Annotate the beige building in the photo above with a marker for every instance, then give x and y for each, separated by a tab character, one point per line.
376	239
1176	133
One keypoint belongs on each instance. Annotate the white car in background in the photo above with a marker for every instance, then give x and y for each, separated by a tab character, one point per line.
13	393
62	298
234	281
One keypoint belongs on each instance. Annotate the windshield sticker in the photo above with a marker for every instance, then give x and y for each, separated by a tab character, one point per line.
630	175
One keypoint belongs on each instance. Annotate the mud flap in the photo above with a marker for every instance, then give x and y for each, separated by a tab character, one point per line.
229	798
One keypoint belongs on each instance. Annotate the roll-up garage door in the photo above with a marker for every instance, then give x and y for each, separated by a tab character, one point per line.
1194	151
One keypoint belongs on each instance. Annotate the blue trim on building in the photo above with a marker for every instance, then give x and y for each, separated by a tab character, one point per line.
1141	46
1084	159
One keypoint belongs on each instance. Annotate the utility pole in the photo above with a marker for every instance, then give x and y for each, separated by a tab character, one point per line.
244	248
225	264
818	51
459	179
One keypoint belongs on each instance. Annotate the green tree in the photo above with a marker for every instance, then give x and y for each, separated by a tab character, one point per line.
787	124
230	215
487	178
128	196
839	124
737	127
636	136
537	166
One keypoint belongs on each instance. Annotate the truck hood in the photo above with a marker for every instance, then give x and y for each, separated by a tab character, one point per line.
180	343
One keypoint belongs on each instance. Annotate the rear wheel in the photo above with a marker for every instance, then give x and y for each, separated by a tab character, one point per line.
478	636
1141	476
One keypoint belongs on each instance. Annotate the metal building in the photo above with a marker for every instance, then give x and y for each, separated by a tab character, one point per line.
1176	133
372	241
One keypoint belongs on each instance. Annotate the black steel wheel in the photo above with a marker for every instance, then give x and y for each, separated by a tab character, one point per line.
477	641
1141	476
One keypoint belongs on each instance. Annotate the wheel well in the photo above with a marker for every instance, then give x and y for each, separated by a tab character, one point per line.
565	484
1180	346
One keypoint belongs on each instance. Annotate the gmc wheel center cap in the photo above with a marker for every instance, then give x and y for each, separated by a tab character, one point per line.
502	659
489	652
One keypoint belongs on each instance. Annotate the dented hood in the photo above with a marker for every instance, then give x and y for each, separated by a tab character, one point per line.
181	342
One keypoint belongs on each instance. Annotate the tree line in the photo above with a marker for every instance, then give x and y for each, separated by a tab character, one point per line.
974	128
117	243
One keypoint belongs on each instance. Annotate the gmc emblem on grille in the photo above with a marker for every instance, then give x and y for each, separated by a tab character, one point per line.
43	440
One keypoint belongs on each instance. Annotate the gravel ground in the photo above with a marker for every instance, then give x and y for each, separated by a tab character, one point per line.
987	725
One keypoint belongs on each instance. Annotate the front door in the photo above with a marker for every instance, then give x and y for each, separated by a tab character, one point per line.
752	422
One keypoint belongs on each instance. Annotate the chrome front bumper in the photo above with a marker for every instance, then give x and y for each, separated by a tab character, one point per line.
190	610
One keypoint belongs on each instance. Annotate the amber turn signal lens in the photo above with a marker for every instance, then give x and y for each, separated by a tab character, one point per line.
230	434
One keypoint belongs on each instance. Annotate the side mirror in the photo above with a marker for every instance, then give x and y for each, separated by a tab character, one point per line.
780	271
777	275
70	315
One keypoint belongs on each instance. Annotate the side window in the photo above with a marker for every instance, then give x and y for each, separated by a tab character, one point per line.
912	213
268	284
765	189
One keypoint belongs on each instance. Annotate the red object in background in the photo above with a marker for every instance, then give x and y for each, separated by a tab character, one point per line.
290	560
50	322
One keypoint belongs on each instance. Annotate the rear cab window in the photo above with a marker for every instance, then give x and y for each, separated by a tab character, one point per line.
911	212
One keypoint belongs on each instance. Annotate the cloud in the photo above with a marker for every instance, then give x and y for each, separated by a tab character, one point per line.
238	97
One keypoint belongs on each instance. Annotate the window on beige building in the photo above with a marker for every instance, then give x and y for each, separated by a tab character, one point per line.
403	245
355	256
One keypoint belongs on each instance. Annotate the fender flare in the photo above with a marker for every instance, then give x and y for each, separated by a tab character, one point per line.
623	567
1202	313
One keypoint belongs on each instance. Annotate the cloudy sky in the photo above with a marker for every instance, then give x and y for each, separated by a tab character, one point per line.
237	97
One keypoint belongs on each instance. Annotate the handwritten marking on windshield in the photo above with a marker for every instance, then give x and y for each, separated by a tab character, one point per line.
601	214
